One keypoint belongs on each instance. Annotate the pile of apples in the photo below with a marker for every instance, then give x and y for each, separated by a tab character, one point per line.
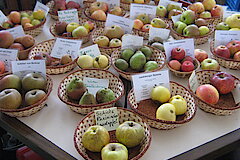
16	18
86	61
60	5
32	87
169	11
50	61
232	23
129	134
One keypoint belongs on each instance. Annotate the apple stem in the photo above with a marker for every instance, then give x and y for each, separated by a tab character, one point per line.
131	124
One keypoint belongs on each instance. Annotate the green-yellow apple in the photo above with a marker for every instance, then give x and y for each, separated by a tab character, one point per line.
35	22
105	95
234	29
179	103
24	14
75	89
188	17
34	81
191	31
144	18
115	42
150	66
147	51
208	93
205	14
114	151
100	61
33	96
210	64
158	23
10	81
161	94
127	54
102	41
7	24
116	10
10	99
222	26
173	6
174	12
203	30
39	14
209	4
166	112
121	64
233	21
85	61
89	25
71	26
179	27
114	31
161	11
80	32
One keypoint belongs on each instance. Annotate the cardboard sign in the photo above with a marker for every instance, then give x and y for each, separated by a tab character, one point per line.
17	31
68	16
186	44
144	83
236	94
176	18
108	118
8	55
165	3
92	51
21	68
158	32
193	82
66	46
111	3
42	7
132	41
137	9
94	84
222	37
3	18
125	23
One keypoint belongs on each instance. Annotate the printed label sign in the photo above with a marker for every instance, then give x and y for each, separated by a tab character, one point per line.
17	31
158	32
223	37
137	9
8	55
236	94
94	84
68	16
111	3
193	82
131	41
42	7
3	18
92	51
166	2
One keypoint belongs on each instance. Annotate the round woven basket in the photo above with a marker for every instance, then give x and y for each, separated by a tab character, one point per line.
124	115
225	105
148	113
85	39
50	5
157	56
115	84
23	55
24	111
127	6
46	47
225	62
185	74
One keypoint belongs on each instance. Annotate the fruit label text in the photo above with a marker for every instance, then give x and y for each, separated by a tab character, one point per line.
3	18
186	44
68	16
21	68
17	31
125	23
8	55
111	3
144	83
137	9
223	37
94	84
92	51
42	7
236	94
132	41
158	32
108	118
228	13
193	82
165	3
66	46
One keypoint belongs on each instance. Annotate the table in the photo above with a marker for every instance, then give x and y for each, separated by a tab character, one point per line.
50	131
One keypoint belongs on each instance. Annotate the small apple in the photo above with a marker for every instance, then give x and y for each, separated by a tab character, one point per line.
139	1
99	15
65	59
113	31
79	32
10	81
210	64
75	89
10	99
17	46
179	27
144	18
85	61
234	29
60	27
188	58
158	23
179	103
115	42
25	20
116	10
71	26
217	11
24	14
166	112
98	6
203	30
38	14
222	26
233	46
105	95
207	93
209	4
187	66
138	24
233	21
178	53
205	14
100	61
188	17
33	81
33	96
197	7
27	25
200	54
160	93
161	11
43	56
200	22
35	22
236	56
102	41
146	27
14	17
7	24
222	51
114	151
89	25
175	64
191	31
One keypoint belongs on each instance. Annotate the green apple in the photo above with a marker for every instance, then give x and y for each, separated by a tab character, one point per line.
144	18
188	17
130	133
179	27
222	26
10	99
115	42
150	66
71	26
233	21
24	14
79	32
113	31
127	54
166	112
210	64
160	93
34	96
179	103
102	41
10	81
95	138
158	23
75	89
35	22
39	14
203	30
191	31
34	81
114	151
147	51
161	11
85	61
205	14
105	95
121	64
100	61
234	29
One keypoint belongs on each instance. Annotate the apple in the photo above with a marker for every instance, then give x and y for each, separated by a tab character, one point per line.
160	93
17	46
233	46
115	42
175	64
44	56
25	20
80	31
191	31
144	18
138	24
38	14
14	17
205	14
179	103
10	99
75	89
146	27
234	29
33	81
166	112
172	6
203	30
99	15
35	22
89	25
209	4
116	10
187	58
113	31
27	41
60	27
72	4
95	138
7	24
100	61
222	26
217	11
102	41
222	51
115	151
187	66
6	39
200	54
130	133
10	81
236	56
178	53
210	64
98	6
188	17
85	61
24	14
197	7
174	12
200	22
233	21
161	11
207	93
33	96
179	27
27	26
127	1
65	59
158	23
71	26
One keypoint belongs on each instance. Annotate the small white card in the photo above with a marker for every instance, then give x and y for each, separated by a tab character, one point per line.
42	7
131	41
186	44
66	46
21	68
68	16
236	94
158	32
176	18
3	18
92	51
193	82
222	37
144	83
228	13
111	3
108	118
166	2
17	31
94	84
125	23
137	9
8	55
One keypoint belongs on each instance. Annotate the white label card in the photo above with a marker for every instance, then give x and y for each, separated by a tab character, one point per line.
94	84
223	37
108	118
3	18
166	2
132	41
144	83
186	44
68	16
158	32
77	1
8	55
66	46
125	23
42	7
176	18
228	13
236	94
111	3
17	31
92	51
137	9
21	68
193	82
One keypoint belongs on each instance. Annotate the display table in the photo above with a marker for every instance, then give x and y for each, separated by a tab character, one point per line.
50	131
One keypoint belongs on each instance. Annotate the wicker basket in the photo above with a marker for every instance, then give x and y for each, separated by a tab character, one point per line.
223	107
185	74
124	115
115	84
46	47
149	113
29	110
157	56
225	62
127	6
50	5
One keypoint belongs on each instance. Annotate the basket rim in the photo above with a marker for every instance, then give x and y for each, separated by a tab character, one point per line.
210	105
34	27
119	108
164	121
89	106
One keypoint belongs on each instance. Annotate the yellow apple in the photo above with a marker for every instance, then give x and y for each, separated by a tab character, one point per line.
161	94
166	112
179	103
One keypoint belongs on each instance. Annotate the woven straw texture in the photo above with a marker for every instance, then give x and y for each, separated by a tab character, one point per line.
115	84
124	115
176	89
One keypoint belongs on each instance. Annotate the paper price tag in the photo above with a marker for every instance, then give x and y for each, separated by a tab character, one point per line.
77	1
132	41
17	31
3	18
228	13
66	46
143	83
236	94
222	37
21	68
42	7
176	18
193	82
158	32
111	3
186	44
68	16
8	55
137	9
94	84
125	23
166	2
92	51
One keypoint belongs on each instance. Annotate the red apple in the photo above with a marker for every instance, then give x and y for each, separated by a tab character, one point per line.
6	39
72	4
222	51
236	56
200	54
178	53
44	56
223	81
17	46
187	66
208	93
175	64
233	46
217	11
187	58
138	24
146	27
